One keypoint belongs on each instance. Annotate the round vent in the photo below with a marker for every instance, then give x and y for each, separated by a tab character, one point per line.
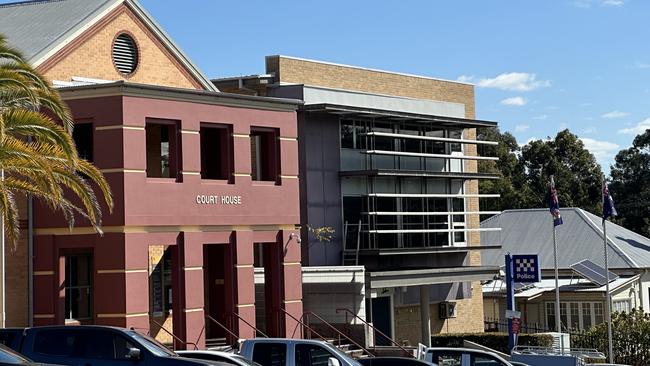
125	54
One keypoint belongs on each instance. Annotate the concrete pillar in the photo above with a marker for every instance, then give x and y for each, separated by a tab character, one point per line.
291	281
190	249
425	316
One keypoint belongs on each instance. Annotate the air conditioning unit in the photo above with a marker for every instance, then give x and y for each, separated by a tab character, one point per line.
447	310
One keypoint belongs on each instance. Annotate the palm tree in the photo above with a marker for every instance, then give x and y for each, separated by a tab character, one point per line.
37	154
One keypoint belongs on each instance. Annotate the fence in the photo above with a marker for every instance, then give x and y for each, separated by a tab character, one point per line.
492	325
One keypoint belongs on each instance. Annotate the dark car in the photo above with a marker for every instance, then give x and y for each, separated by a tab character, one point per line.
93	345
13	358
392	361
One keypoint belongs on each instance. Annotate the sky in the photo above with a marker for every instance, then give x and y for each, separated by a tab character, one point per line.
539	66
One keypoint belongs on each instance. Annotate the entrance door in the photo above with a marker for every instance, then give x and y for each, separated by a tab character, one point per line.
382	319
214	287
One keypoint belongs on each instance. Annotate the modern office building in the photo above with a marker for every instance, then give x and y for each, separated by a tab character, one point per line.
205	185
389	161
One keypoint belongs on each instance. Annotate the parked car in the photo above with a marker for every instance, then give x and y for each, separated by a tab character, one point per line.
294	352
93	345
9	357
224	357
443	356
393	361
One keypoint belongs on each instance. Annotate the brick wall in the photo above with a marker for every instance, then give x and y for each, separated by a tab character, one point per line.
16	274
92	57
290	70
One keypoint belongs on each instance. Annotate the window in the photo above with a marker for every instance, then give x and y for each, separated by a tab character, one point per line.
216	152
56	342
311	355
83	140
162	149
265	154
160	285
574	309
575	315
78	286
622	306
270	354
550	315
598	313
353	134
586	315
485	360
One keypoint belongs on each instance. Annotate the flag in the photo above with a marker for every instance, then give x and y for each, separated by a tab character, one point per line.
554	204
608	203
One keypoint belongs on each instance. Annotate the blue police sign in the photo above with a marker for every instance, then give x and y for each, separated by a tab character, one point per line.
527	268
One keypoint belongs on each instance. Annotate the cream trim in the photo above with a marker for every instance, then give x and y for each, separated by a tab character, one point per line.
194	310
121	315
197	268
283	138
119	127
245	305
112	271
241	175
289	177
43	316
162	229
190	173
291	301
190	132
123	170
241	135
43	273
291	263
244	266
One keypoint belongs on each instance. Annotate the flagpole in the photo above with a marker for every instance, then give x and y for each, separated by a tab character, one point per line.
608	301
553	204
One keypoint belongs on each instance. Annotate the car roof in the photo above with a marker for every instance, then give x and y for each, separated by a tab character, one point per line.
206	352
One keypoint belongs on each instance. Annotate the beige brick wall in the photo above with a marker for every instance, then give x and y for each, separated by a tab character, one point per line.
16	260
469	318
156	253
92	58
290	70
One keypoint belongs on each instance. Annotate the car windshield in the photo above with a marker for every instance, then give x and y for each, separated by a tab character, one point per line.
8	355
152	345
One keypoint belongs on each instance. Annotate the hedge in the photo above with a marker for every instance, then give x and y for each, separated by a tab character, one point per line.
496	341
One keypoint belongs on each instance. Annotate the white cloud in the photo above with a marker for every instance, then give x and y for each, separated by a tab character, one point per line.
585	4
521	128
640	128
517	81
590	130
541	117
515	101
613	3
604	151
615	114
465	78
642	65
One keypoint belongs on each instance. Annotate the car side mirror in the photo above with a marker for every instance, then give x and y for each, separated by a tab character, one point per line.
333	362
134	354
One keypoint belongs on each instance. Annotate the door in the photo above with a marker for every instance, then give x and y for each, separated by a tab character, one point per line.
382	319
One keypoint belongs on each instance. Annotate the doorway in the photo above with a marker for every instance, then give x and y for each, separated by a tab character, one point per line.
382	319
214	276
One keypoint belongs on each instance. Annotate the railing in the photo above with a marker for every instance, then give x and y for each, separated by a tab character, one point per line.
304	326
257	331
185	343
235	336
338	332
501	325
375	331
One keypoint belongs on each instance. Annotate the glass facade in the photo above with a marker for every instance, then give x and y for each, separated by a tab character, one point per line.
401	208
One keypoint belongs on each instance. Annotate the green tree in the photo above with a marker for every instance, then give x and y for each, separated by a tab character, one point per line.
630	185
37	154
525	172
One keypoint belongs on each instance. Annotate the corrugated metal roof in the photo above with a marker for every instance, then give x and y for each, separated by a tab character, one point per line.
34	27
580	237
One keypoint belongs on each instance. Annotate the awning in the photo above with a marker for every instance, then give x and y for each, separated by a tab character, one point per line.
431	276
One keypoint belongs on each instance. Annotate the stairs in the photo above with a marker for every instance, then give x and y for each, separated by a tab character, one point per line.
350	258
348	348
217	344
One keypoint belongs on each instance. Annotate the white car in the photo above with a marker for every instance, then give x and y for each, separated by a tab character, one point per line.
225	357
444	356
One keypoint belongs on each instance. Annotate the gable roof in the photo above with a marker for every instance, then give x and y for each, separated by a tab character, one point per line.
40	28
579	237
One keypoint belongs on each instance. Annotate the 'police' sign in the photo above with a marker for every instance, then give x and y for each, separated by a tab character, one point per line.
527	268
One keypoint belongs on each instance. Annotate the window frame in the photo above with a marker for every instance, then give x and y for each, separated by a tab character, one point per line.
174	149
227	163
273	168
89	287
92	139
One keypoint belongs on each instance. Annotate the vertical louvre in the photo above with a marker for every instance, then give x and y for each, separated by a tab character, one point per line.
125	54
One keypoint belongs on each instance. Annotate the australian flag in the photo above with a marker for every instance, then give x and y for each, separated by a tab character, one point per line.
608	203
554	205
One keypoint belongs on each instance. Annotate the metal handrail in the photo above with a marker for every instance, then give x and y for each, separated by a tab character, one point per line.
235	336
173	335
339	332
250	325
303	324
375	330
